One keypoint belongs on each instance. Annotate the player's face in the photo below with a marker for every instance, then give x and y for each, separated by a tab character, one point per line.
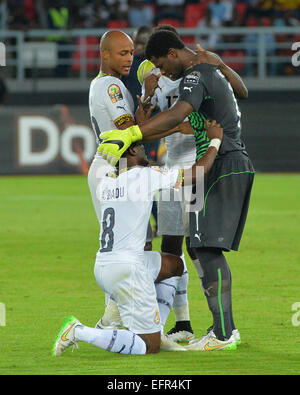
142	157
169	66
120	59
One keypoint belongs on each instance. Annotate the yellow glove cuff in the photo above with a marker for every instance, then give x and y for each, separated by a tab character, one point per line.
135	133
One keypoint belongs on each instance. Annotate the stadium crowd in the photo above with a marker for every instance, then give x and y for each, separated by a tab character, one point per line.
29	14
120	14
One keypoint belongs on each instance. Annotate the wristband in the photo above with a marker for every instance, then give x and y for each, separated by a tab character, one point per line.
215	143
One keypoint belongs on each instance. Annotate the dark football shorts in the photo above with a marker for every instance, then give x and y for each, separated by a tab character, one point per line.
227	190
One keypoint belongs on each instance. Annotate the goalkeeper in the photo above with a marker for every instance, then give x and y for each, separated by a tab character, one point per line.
219	225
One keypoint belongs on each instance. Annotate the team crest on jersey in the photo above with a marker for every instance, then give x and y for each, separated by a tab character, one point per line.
156	318
115	93
193	78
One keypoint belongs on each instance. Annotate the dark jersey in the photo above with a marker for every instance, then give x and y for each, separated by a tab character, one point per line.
207	90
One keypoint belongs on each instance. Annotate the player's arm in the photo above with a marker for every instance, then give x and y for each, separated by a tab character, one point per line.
215	134
127	123
239	88
190	98
166	121
115	101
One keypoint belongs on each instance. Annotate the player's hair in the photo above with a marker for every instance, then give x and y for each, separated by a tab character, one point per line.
160	42
142	30
166	27
125	153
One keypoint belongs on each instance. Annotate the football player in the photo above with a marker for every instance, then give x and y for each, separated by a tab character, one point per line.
123	268
111	106
173	222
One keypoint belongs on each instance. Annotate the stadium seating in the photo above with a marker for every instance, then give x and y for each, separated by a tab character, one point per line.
91	53
118	24
241	9
237	66
193	14
170	21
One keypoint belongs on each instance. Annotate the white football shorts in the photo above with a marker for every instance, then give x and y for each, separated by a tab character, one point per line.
131	284
172	216
172	213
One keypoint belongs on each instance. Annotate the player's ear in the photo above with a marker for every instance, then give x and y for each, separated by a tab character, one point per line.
132	151
105	54
172	53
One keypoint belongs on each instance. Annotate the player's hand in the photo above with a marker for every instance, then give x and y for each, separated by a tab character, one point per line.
214	130
115	142
144	110
204	56
151	83
185	128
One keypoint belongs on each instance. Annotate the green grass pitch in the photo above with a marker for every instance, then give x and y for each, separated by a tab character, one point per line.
49	238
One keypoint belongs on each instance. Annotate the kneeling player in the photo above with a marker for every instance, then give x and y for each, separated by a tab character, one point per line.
123	269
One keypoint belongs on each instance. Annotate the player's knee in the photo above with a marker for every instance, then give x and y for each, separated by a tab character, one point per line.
208	255
177	266
171	266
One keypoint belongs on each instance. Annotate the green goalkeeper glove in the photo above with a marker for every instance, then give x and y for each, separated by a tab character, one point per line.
115	142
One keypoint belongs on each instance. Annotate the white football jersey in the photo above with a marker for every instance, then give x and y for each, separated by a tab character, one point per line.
181	148
126	202
110	104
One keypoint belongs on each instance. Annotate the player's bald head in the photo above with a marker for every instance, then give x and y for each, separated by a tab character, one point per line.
114	38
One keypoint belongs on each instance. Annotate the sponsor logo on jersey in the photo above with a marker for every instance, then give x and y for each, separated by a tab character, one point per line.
192	78
115	93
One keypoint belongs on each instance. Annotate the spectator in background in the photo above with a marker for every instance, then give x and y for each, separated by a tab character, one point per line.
3	15
252	40
287	19
58	19
139	14
221	11
169	9
118	9
17	16
93	14
208	41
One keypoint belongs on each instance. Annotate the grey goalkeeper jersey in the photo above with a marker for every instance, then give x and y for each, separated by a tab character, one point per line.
207	90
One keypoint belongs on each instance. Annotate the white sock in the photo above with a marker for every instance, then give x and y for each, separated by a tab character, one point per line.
119	341
165	293
180	304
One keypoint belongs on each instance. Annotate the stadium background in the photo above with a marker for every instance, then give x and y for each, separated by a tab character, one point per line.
47	74
48	228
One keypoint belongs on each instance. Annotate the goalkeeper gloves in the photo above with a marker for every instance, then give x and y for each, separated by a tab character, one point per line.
115	142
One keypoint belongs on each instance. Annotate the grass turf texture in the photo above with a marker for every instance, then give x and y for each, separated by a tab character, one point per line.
49	237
